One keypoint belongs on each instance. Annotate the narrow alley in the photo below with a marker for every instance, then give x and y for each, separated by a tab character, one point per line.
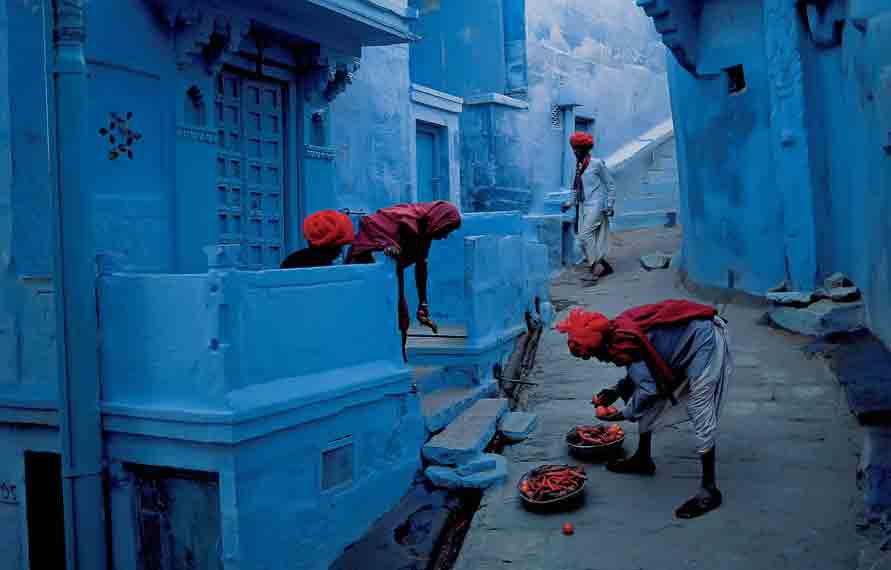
787	454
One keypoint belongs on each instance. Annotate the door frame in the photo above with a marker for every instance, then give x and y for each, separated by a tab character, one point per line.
442	189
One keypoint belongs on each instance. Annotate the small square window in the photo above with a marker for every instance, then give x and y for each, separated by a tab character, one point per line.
736	79
337	466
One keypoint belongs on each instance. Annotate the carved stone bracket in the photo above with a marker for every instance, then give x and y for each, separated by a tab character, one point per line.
206	34
825	21
676	22
329	74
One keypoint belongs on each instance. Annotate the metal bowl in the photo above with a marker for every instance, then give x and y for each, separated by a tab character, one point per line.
570	500
588	451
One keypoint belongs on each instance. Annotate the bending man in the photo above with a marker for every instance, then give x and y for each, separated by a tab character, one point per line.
405	233
675	352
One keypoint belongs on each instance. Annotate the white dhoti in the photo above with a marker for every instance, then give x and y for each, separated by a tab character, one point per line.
593	236
699	397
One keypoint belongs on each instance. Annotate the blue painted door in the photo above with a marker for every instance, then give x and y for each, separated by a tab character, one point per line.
428	180
250	168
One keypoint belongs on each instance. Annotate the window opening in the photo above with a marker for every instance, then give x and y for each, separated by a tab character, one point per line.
585	125
556	117
736	79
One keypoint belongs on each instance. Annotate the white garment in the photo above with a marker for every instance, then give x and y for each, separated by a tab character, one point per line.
599	195
600	188
593	236
701	396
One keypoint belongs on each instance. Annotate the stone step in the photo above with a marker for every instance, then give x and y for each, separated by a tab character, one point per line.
442	406
468	435
821	319
429	379
426	378
517	426
481	472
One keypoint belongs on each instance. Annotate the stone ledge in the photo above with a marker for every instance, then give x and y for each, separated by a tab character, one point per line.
436	99
496	99
862	365
483	472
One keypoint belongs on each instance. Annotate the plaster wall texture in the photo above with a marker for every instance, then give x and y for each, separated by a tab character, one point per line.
190	341
731	213
848	96
272	371
27	314
372	134
462	47
782	181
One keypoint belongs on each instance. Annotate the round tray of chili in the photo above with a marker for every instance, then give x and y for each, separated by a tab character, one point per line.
592	440
553	487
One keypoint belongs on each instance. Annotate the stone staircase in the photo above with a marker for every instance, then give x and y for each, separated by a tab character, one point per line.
446	393
457	453
461	410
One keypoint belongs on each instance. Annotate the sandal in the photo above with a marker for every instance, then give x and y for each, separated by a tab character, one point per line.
698	505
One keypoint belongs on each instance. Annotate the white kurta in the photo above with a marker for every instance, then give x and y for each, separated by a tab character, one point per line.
710	367
600	195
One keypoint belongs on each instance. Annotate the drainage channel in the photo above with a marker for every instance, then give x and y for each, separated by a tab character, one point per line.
451	540
427	529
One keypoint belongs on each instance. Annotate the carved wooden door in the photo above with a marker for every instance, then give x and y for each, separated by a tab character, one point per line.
250	168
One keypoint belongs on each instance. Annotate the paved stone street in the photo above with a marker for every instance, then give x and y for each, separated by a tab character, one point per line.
787	455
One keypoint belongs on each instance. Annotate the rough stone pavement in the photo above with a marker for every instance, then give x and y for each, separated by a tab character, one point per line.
787	455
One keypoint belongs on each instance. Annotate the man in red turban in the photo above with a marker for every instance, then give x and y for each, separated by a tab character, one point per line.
594	207
674	351
405	232
326	232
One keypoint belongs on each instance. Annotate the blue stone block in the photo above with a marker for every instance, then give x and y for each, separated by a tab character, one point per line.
517	426
467	436
453	479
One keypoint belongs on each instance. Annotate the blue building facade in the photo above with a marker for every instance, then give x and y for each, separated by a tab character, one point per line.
170	398
782	120
529	73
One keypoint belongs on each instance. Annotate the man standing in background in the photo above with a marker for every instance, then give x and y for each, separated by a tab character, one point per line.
593	208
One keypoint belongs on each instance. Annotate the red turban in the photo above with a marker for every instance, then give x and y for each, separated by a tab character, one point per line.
328	229
585	330
581	140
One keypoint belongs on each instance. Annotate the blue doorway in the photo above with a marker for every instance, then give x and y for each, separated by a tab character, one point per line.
430	148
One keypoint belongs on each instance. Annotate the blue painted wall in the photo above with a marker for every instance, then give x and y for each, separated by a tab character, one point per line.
371	134
786	179
27	313
732	222
849	97
462	46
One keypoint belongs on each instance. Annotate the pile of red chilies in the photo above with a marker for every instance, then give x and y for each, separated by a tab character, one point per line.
596	435
550	482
